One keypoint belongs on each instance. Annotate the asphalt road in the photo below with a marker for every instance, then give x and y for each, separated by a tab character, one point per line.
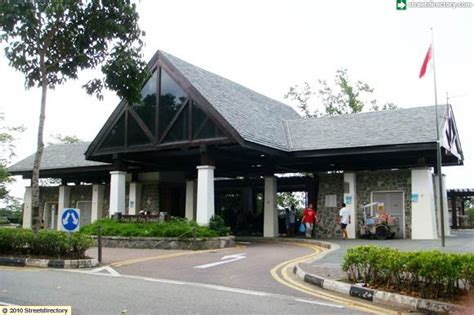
249	273
101	294
251	278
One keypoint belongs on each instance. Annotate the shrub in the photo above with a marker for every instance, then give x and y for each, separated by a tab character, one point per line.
16	241
176	227
48	243
217	224
432	273
79	243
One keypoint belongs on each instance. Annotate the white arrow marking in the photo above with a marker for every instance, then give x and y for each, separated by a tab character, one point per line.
66	219
74	219
224	260
401	5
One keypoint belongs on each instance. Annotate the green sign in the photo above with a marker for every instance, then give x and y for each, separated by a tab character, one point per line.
401	4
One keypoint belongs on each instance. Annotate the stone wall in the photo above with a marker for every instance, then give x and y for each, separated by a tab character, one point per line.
397	180
167	242
80	193
150	196
49	194
329	184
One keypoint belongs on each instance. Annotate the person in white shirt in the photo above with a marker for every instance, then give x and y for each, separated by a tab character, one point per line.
344	220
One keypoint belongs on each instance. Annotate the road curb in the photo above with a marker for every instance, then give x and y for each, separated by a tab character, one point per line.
379	297
319	243
49	263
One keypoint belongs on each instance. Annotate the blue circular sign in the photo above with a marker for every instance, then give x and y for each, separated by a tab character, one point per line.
70	219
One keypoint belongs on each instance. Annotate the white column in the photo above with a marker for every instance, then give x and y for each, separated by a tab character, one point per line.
135	198
97	202
205	194
63	202
117	192
447	230
270	215
190	199
423	217
350	199
27	208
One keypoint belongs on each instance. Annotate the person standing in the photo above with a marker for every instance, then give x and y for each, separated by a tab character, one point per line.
309	218
344	220
291	220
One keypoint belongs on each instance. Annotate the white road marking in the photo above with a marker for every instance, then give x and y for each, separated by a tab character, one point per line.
7	304
224	260
319	303
109	269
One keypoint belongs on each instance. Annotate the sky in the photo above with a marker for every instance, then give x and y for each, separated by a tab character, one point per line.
270	45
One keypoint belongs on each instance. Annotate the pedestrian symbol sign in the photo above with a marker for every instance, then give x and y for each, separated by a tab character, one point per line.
70	220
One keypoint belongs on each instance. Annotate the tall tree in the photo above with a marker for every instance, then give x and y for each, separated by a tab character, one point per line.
50	41
344	98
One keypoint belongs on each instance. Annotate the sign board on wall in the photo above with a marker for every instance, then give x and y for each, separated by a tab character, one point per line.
331	201
348	200
414	197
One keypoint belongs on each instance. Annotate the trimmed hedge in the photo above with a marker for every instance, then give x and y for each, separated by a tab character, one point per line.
176	227
431	274
49	243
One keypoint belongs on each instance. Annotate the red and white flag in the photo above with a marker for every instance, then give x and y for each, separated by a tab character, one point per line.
425	63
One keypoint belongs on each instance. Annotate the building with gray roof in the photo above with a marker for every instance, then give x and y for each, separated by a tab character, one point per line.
193	126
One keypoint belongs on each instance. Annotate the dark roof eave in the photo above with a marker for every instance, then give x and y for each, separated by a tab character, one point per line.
63	171
366	150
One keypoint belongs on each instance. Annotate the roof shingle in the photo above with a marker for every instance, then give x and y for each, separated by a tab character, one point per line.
58	156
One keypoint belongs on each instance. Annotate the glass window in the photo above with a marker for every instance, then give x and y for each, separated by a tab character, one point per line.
172	97
116	136
203	127
180	129
135	134
146	108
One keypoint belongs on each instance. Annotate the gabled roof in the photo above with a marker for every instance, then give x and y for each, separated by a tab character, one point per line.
394	127
257	118
251	117
58	156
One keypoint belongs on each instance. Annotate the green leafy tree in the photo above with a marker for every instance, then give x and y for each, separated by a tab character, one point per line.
344	98
287	200
59	138
7	152
50	41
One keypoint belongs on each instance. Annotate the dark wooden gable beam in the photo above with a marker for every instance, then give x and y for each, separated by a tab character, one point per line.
104	131
203	103
173	121
140	123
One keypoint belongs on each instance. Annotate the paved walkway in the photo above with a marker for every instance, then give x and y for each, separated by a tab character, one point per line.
329	266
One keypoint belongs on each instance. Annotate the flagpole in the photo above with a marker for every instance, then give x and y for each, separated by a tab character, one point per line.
438	147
